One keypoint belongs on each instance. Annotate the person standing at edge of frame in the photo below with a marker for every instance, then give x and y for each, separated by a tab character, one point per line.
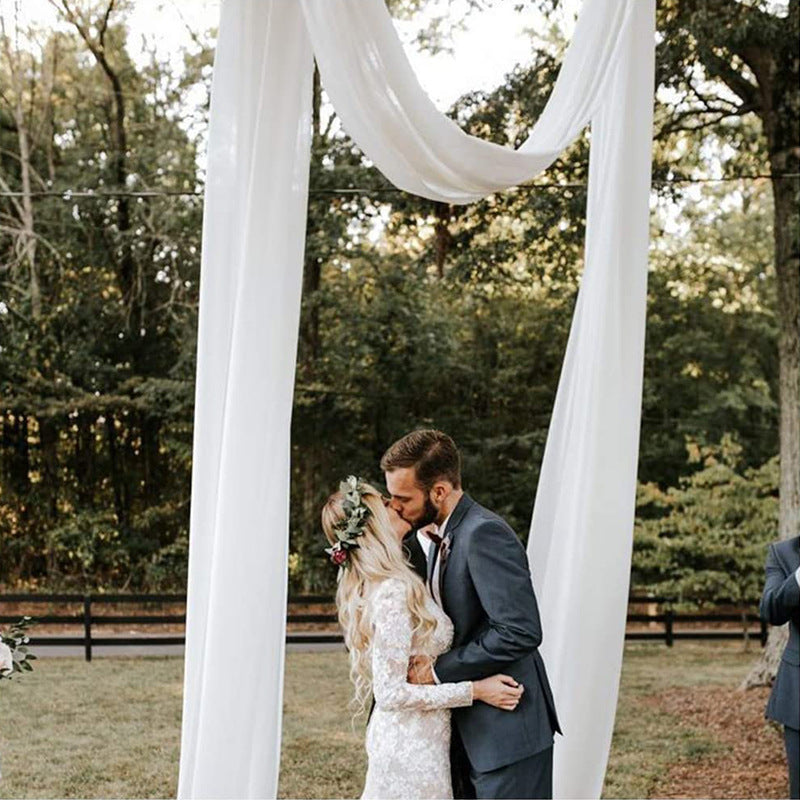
780	603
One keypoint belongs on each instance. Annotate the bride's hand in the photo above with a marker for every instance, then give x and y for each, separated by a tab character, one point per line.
500	691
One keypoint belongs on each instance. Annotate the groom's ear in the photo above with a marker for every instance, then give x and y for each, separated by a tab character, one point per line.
440	490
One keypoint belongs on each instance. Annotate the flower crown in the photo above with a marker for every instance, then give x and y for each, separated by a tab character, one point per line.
352	526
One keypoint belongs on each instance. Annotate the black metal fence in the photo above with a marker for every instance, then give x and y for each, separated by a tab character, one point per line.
88	620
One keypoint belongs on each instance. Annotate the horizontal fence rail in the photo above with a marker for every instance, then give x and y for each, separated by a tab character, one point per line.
87	619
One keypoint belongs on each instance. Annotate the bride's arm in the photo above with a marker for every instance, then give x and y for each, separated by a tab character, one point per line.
391	648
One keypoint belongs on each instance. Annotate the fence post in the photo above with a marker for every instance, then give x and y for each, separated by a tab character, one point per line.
87	626
668	619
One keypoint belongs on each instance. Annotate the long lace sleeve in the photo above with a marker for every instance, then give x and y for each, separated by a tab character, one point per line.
391	649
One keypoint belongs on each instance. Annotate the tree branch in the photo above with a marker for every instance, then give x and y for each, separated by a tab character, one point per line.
104	24
720	68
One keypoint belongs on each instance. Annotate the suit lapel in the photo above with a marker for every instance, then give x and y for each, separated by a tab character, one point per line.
459	512
456	518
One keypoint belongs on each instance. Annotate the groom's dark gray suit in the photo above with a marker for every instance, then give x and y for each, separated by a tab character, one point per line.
486	589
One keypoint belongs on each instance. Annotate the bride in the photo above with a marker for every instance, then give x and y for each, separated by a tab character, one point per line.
388	614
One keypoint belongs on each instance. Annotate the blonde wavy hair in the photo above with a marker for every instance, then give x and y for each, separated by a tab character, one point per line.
379	556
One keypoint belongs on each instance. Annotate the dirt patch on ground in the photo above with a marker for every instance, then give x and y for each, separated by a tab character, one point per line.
751	762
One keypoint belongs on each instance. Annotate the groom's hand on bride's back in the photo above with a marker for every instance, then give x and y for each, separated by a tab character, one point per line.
420	670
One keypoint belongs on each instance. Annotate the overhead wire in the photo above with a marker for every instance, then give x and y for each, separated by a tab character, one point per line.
76	194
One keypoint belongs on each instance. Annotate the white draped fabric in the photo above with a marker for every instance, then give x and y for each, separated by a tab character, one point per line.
253	238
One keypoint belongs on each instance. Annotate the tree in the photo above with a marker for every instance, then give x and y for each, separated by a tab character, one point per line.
414	313
97	384
727	61
458	317
703	541
750	65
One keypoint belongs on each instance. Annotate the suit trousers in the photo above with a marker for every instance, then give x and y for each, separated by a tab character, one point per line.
530	778
459	768
792	740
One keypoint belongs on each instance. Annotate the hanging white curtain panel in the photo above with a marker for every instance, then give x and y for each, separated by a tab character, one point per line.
250	287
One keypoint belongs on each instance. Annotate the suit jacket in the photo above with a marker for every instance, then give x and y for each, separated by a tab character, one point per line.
415	554
780	604
487	591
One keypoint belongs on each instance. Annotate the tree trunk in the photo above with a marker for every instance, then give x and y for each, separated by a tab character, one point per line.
150	429
27	239
787	269
443	237
309	448
765	669
312	268
782	129
29	236
117	474
126	267
19	461
84	460
48	442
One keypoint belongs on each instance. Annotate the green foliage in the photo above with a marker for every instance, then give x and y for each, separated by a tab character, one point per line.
15	655
414	314
97	380
705	540
711	364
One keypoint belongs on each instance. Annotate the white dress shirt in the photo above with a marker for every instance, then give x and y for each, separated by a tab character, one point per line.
435	577
797	575
425	543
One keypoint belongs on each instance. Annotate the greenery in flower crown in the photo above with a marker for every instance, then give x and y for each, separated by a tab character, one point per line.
352	526
15	656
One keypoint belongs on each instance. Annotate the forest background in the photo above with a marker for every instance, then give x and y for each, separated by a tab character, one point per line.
414	313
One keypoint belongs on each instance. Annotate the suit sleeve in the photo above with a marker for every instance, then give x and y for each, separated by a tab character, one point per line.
781	597
498	566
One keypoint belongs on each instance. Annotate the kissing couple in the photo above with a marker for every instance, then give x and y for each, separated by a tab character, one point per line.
435	598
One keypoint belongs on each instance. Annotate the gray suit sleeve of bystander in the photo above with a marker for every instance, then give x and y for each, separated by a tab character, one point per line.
781	597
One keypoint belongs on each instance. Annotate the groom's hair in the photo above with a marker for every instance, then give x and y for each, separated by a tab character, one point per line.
433	455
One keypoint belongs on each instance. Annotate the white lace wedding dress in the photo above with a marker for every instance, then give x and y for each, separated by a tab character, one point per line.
408	736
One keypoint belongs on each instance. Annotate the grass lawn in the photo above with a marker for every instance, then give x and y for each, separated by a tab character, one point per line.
111	728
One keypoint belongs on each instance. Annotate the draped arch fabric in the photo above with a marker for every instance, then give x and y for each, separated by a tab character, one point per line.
250	288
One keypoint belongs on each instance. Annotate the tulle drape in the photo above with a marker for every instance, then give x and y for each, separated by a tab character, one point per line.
254	228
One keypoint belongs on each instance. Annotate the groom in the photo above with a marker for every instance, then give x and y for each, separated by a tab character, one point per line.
479	575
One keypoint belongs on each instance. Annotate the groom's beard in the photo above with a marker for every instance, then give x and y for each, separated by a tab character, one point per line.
429	514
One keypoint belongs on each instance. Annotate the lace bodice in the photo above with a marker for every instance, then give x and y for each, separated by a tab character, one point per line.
408	738
393	644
